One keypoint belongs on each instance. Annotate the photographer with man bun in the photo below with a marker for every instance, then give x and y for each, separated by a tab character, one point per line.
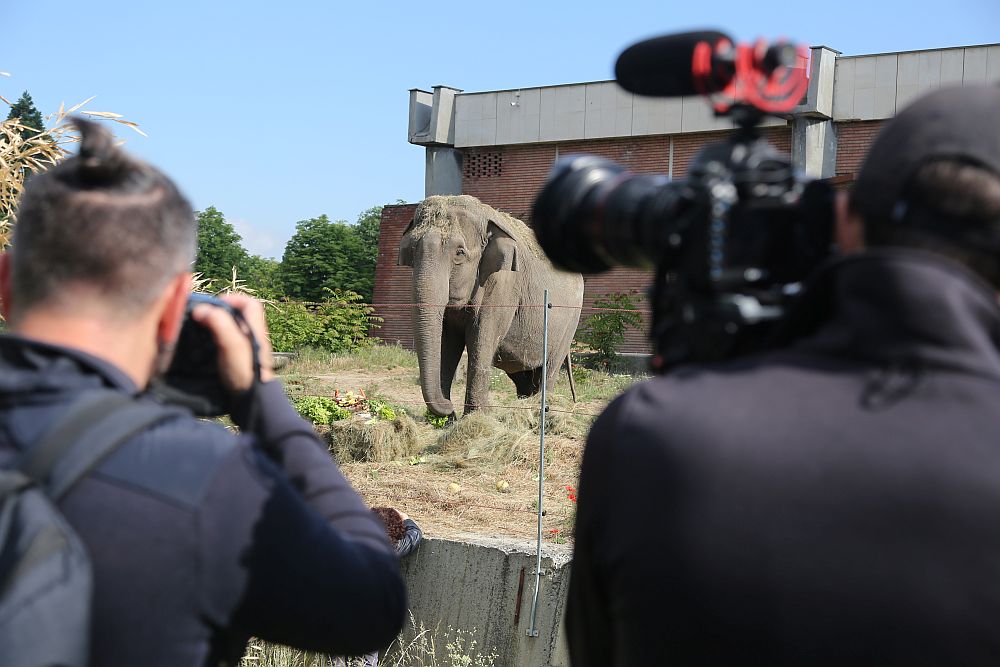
198	538
835	500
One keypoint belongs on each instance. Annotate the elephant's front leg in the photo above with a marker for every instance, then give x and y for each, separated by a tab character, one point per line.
486	329
452	346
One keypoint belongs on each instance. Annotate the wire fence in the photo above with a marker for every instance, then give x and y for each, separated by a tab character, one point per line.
459	502
477	406
540	377
458	306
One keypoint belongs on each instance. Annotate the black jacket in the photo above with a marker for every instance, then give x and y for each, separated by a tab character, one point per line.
200	538
836	502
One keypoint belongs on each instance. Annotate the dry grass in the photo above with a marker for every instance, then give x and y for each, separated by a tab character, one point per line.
379	358
262	654
420	646
448	480
416	646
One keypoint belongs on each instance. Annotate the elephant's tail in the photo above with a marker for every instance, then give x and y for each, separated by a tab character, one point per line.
569	373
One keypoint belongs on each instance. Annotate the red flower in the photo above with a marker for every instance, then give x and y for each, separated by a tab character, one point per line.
572	497
554	531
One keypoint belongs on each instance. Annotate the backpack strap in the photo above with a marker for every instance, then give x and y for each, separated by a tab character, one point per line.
92	428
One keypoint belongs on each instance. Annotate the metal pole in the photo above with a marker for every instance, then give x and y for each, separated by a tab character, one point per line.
533	631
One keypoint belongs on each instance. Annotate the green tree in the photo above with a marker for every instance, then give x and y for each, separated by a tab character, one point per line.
340	323
325	255
219	247
262	275
367	229
26	114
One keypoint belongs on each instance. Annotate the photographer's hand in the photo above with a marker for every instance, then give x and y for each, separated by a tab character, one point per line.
235	352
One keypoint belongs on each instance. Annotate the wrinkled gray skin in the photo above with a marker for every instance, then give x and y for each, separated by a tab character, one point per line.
465	253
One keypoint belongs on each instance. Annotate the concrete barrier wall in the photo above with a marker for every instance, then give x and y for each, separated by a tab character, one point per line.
486	584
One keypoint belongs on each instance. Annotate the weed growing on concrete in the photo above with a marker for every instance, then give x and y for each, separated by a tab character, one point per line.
261	654
423	648
416	646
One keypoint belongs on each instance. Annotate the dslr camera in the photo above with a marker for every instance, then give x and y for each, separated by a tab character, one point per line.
732	243
192	380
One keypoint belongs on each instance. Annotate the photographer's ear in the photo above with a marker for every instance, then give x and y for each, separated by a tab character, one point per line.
174	302
849	226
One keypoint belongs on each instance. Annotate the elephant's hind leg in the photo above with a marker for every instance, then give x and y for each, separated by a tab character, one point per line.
528	383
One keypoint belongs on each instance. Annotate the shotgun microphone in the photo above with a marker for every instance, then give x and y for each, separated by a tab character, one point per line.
664	66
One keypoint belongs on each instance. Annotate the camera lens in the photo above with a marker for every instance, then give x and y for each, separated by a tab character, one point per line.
593	214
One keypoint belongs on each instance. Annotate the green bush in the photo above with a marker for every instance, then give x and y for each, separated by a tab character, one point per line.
604	331
346	322
291	326
581	373
340	324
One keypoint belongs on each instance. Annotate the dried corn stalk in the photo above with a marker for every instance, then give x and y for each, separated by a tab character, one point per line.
41	149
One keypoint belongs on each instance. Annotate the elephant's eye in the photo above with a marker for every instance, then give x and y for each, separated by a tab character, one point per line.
460	252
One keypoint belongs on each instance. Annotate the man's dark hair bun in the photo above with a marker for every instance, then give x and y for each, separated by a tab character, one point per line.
99	162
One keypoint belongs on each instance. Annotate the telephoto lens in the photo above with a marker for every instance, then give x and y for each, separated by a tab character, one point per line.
593	214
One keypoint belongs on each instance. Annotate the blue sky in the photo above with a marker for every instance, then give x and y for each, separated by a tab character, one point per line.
279	111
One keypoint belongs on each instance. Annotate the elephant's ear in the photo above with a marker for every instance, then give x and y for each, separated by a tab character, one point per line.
406	246
500	253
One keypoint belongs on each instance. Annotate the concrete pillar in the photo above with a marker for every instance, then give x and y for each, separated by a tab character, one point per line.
814	146
443	115
443	171
814	141
432	125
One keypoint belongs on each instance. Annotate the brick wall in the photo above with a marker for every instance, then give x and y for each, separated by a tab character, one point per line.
853	140
523	169
515	174
393	283
509	178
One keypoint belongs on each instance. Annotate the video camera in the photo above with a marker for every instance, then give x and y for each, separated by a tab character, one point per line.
732	243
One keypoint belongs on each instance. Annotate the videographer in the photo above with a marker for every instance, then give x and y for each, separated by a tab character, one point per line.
836	500
198	538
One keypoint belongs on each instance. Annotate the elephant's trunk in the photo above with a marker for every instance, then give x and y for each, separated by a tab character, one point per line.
428	324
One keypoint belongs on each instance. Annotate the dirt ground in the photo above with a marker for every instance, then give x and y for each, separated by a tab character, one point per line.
481	474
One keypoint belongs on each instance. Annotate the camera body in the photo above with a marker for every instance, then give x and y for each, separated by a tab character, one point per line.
192	380
731	244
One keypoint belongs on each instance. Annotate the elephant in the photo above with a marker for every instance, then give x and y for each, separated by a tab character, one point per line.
490	271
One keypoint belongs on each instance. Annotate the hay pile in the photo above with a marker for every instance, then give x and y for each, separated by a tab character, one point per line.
373	442
486	438
501	436
508	435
